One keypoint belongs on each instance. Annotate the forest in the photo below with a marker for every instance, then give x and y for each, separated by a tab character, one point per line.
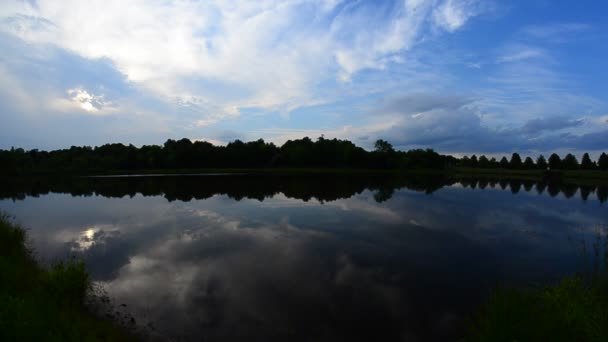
300	153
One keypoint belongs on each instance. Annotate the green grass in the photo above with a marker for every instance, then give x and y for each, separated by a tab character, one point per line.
575	309
39	304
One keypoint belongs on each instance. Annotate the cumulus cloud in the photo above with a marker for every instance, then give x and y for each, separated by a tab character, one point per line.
453	123
271	54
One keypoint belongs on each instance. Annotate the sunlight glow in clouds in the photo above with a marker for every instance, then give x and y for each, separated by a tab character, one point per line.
87	101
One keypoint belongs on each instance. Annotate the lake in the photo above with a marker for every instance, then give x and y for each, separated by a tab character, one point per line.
307	257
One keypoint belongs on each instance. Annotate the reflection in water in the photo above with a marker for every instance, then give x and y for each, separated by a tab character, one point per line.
321	187
307	258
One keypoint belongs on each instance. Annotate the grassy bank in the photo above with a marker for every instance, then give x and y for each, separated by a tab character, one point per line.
568	176
575	309
280	171
38	304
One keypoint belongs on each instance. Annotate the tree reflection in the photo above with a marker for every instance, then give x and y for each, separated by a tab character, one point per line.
322	187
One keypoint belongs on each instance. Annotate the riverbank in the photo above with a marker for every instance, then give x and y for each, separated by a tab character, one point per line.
40	304
568	176
575	309
579	177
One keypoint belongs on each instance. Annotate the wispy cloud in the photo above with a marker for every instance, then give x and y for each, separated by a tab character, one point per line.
520	53
556	31
271	54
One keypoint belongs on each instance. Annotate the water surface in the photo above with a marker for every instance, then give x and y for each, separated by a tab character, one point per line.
307	258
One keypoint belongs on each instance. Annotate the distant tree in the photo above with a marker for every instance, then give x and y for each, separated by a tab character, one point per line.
586	163
602	162
541	162
465	161
473	161
504	163
483	162
570	162
383	146
555	161
493	162
529	163
515	162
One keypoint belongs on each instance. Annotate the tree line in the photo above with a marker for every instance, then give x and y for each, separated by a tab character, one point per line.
299	153
555	162
186	154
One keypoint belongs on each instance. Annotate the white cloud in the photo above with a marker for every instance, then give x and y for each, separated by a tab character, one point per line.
80	100
453	14
558	31
521	54
234	54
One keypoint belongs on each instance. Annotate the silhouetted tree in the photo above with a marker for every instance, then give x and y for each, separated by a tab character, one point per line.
465	161
474	162
602	162
586	163
570	162
383	146
541	162
529	163
483	162
515	162
504	163
555	161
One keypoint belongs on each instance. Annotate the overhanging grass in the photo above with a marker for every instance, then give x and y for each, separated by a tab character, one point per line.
575	309
38	304
572	310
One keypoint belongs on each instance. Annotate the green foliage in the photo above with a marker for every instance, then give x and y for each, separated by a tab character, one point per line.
575	309
37	304
529	164
572	310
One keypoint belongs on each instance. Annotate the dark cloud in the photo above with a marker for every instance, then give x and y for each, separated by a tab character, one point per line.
416	103
550	124
451	124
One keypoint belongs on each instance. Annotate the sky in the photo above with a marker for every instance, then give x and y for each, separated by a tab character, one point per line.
459	76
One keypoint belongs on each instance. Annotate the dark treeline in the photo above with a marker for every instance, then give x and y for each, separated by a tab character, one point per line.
300	153
555	162
185	154
323	187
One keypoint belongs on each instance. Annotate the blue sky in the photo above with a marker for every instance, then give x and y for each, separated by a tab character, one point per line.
460	76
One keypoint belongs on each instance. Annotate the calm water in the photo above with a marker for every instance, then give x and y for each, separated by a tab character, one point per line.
323	258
